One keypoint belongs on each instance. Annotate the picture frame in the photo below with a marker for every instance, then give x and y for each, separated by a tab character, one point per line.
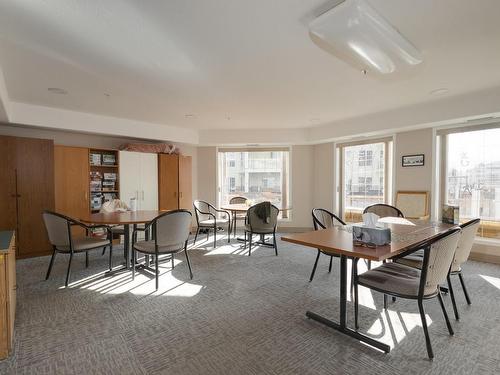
416	160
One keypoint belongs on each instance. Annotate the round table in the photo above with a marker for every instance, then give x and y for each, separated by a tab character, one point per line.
125	218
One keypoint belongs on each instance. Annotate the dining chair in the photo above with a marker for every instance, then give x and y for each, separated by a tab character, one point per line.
384	210
208	217
256	222
60	237
237	216
171	236
402	281
464	247
323	219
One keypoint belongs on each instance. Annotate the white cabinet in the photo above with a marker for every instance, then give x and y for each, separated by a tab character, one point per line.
139	179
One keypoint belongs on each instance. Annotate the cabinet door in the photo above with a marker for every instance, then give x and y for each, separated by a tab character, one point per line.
149	181
185	182
130	176
8	219
168	182
35	188
71	182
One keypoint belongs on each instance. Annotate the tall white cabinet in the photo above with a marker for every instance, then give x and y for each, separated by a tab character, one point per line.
139	179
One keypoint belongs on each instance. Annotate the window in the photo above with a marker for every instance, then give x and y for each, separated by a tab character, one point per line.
232	163
260	175
472	177
365	171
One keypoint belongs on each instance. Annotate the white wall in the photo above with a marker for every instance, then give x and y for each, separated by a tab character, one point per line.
324	176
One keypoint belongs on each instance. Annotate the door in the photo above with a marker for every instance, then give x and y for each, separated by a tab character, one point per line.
130	176
8	219
168	182
35	193
149	182
185	182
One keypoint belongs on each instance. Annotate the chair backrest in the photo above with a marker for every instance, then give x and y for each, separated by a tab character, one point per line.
259	225
438	256
384	210
172	228
469	230
238	200
202	209
323	219
414	204
58	228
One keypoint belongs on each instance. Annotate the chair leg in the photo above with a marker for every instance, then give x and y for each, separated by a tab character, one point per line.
426	331
275	244
229	230
250	243
464	288
314	267
445	313
369	265
208	232
111	256
356	303
189	264
452	296
157	271
385	301
133	262
103	250
330	266
173	265
86	259
51	263
196	235
215	236
353	274
69	269
245	242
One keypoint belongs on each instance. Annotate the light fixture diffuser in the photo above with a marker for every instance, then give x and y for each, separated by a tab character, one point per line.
359	35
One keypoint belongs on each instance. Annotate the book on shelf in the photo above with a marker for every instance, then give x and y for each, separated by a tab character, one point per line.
110	176
108	159
95	159
96	201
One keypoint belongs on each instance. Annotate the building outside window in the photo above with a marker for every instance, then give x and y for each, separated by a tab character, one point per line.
472	177
259	175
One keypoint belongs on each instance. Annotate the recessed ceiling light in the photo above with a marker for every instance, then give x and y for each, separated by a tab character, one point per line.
438	92
57	90
107	95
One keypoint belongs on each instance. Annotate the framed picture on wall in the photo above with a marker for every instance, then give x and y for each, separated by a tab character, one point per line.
413	160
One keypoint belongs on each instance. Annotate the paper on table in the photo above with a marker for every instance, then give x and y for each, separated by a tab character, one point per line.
370	220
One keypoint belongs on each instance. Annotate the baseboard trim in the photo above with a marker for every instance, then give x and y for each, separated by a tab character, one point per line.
486	258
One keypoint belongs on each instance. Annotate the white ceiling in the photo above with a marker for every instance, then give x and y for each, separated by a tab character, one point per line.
233	64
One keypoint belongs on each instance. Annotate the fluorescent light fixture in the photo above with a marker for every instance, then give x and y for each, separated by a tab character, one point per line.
358	34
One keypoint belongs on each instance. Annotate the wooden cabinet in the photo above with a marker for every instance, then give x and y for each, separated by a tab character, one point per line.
27	173
139	179
7	291
174	182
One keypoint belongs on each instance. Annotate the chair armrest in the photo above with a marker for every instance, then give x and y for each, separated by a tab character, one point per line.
223	211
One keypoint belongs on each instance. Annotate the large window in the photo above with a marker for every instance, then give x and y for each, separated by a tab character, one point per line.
472	177
260	175
365	175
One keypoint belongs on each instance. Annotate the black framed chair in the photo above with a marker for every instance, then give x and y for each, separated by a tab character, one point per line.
256	224
402	281
171	237
469	230
237	216
384	210
59	232
208	217
323	219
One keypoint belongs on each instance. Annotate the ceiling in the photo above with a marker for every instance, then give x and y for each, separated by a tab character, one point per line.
232	64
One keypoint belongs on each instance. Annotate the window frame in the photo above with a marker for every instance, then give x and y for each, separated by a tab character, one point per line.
286	215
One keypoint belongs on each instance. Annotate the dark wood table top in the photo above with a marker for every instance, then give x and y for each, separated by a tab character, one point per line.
405	234
121	218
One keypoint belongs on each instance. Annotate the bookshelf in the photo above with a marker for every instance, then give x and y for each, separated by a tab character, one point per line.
104	179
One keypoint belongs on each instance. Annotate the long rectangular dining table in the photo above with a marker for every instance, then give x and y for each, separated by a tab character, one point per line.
406	236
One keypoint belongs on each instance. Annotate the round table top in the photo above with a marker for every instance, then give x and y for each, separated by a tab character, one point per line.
243	207
121	217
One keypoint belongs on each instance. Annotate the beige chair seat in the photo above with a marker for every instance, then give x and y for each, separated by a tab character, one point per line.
149	247
212	222
83	244
392	278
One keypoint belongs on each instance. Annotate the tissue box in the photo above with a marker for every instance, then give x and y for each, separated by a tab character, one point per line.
378	236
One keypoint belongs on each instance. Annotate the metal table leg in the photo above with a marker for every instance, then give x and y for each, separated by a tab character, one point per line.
126	250
341	326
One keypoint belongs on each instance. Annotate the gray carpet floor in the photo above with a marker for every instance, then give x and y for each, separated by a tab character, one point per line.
239	315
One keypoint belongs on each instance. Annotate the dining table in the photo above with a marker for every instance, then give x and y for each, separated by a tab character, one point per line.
406	236
127	219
